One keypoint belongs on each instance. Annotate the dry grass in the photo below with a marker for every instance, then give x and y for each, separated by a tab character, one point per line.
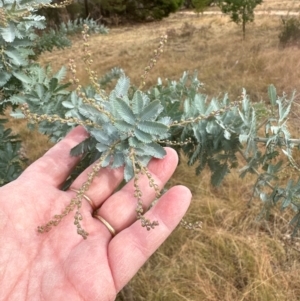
210	44
34	143
234	257
284	5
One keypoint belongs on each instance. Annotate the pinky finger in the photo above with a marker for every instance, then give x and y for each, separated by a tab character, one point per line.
132	247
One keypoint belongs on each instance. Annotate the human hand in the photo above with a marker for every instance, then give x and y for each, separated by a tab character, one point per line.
59	264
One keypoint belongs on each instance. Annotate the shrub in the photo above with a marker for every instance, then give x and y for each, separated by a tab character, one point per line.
58	38
11	155
290	32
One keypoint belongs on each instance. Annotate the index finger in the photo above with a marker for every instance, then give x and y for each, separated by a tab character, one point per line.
56	164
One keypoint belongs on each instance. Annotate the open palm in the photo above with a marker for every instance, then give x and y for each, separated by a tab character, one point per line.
60	264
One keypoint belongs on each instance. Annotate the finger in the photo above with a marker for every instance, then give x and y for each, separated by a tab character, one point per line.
57	163
120	209
131	248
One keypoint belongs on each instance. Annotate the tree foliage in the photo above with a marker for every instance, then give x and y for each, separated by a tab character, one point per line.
133	10
113	6
240	11
152	10
200	5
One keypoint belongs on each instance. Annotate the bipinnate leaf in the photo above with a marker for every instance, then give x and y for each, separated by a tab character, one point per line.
40	90
227	134
152	110
213	106
91	113
152	127
195	154
106	160
134	142
4	78
138	102
123	126
8	33
128	170
152	149
199	103
118	160
82	147
68	104
60	75
124	111
101	137
219	174
18	114
165	120
243	138
285	203
86	110
212	127
16	57
187	108
142	136
53	84
101	147
122	86
22	77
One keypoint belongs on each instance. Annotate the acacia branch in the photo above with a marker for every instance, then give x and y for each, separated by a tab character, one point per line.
265	140
255	170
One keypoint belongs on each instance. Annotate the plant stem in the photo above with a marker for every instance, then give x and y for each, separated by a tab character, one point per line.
255	170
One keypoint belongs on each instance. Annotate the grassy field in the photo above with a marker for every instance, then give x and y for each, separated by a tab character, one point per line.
292	5
233	257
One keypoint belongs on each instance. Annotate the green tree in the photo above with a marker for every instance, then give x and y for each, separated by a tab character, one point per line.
200	5
156	9
135	10
240	11
113	6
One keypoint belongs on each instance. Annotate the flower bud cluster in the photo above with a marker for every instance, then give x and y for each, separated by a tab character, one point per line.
80	93
138	193
75	202
93	77
55	5
156	54
22	153
3	17
152	183
5	62
35	118
74	80
179	143
190	226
